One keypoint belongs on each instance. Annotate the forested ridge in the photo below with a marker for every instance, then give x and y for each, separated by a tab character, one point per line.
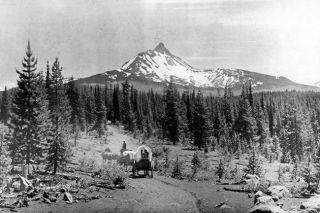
44	112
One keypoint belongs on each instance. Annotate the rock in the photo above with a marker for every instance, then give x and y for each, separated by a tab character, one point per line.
311	203
275	198
46	200
266	208
53	199
280	191
257	195
63	190
265	200
280	204
16	186
32	193
36	198
25	184
8	183
36	182
310	211
248	177
67	197
225	206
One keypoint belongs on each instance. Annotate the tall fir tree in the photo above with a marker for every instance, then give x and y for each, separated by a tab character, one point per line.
59	150
77	118
100	112
116	104
126	107
200	123
29	121
172	114
5	106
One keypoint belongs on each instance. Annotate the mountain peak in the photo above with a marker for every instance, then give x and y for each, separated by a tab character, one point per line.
161	48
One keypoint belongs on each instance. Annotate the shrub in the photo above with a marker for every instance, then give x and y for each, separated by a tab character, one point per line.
88	164
263	186
297	188
107	149
253	166
157	152
196	163
176	173
220	170
166	151
115	174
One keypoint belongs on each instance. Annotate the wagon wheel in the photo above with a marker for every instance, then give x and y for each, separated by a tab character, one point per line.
134	169
151	172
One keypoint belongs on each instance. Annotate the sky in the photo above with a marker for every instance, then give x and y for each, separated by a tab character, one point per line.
276	37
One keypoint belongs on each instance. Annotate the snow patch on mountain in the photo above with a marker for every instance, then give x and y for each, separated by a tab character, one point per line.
160	66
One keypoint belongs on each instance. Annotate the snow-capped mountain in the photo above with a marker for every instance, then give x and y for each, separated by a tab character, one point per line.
160	65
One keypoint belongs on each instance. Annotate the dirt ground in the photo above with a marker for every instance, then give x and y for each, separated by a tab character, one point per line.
158	194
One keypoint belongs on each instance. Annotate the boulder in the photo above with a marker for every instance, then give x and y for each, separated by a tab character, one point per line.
8	183
279	191
265	200
16	186
250	177
68	197
257	195
266	208
275	198
46	200
25	184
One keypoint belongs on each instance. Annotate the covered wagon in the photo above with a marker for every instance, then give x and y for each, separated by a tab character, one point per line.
142	161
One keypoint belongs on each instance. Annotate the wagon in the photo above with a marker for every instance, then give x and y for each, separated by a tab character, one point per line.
142	161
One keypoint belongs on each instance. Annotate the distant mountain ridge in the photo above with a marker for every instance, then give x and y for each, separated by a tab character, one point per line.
159	66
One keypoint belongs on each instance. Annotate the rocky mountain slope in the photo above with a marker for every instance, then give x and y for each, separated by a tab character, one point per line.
158	66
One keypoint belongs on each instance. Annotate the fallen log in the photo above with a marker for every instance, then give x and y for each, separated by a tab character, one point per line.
237	190
101	184
68	176
7	206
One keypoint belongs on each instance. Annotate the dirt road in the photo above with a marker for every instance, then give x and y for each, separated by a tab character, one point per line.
143	195
158	194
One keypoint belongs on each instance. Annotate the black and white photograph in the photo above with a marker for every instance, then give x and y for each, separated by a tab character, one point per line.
160	106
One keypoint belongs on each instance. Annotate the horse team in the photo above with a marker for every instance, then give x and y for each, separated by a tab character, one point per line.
139	160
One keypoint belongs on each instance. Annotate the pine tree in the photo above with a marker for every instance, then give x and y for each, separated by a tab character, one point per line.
89	111
253	166
5	106
317	166
29	119
116	104
245	123
77	118
100	112
60	114
171	114
271	120
195	163
176	173
307	173
294	173
126	109
220	170
200	122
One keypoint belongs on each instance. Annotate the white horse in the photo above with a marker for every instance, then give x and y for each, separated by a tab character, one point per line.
127	159
108	156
